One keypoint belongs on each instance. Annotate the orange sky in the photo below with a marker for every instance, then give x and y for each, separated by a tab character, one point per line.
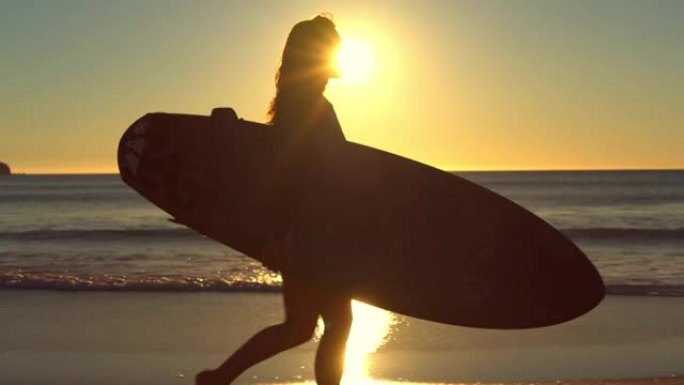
494	85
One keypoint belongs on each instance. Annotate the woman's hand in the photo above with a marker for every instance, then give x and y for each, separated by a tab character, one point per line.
276	254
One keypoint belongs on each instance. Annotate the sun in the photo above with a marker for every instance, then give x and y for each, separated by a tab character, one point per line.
355	60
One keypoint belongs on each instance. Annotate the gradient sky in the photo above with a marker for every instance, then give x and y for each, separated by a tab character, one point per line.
461	85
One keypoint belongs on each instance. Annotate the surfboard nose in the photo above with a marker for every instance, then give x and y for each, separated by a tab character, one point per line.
131	147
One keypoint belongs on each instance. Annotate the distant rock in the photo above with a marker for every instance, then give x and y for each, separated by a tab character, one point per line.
4	169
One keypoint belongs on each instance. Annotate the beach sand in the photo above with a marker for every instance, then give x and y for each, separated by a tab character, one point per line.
49	337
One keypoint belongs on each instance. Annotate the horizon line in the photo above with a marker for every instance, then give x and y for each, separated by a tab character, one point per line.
449	171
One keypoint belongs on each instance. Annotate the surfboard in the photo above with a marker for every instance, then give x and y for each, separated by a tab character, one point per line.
383	229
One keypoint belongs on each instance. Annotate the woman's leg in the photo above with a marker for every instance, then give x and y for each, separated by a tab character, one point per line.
337	316
301	316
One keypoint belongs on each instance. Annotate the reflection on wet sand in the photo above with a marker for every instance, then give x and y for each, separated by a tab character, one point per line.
371	329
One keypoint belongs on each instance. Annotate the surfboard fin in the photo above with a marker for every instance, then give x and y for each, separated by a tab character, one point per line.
224	114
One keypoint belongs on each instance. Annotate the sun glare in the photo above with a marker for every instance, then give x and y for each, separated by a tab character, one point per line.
371	329
356	59
372	68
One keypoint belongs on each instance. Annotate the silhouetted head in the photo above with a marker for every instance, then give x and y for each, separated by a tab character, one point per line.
306	64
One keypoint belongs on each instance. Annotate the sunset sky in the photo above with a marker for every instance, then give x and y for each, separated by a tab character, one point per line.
460	85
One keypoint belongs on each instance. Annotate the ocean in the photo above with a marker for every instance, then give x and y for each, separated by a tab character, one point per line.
92	232
96	285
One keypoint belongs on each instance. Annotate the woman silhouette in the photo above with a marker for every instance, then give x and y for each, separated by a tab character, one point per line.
300	108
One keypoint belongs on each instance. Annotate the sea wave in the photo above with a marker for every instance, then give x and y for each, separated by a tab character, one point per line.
23	280
640	234
31	280
646	290
182	233
179	233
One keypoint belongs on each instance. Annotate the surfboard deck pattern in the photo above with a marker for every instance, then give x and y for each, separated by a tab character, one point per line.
383	229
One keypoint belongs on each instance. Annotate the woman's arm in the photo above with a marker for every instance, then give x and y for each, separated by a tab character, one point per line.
325	130
330	125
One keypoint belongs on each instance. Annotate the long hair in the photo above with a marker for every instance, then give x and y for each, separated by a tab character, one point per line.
305	66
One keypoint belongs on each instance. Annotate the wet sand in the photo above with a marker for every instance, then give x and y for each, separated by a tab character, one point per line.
164	338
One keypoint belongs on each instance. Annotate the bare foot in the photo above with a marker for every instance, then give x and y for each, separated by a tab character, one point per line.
209	377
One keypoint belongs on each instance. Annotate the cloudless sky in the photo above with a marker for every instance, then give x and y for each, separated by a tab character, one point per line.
461	85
